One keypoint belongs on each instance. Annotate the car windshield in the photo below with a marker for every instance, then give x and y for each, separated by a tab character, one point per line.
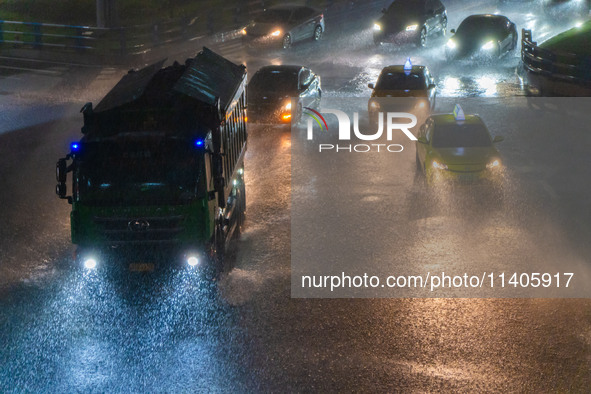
406	7
400	81
461	136
274	16
275	80
122	172
477	26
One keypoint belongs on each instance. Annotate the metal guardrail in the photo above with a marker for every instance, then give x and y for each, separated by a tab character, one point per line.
103	42
126	44
562	66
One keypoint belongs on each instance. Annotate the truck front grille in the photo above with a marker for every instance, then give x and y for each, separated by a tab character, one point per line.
142	229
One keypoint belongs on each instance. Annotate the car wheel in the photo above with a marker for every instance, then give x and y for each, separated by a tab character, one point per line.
286	41
443	31
317	33
422	38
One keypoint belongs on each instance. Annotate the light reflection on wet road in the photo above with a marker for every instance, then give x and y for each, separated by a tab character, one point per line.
64	331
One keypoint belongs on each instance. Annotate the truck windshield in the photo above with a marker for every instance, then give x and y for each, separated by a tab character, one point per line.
146	172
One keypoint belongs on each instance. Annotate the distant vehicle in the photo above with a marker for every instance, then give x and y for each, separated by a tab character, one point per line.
272	87
457	148
482	36
284	25
403	81
410	21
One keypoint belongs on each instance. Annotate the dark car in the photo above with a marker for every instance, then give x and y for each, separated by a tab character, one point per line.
486	36
410	21
283	25
271	88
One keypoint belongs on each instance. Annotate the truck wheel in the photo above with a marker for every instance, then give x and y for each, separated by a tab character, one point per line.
241	215
217	263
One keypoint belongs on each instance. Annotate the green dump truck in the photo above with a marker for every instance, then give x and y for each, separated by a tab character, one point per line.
158	176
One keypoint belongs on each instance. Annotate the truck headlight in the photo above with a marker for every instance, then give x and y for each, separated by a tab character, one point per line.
192	260
377	27
90	263
288	106
411	27
451	44
276	33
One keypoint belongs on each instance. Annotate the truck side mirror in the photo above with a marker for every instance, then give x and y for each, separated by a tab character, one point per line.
61	190
61	170
370	85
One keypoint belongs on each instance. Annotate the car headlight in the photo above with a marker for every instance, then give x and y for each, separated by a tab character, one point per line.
243	32
488	46
411	27
377	27
451	44
438	166
276	33
495	163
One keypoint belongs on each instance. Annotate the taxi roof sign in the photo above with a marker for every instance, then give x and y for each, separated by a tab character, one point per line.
408	64
459	113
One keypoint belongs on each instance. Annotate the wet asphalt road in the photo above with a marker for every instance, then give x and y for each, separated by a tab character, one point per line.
64	330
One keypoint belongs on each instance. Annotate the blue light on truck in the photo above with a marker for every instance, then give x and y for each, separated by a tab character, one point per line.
199	143
75	146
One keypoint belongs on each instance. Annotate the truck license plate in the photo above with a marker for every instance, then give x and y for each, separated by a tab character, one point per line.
141	267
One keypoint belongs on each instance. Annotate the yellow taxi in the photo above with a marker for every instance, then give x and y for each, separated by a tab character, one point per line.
403	87
458	148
